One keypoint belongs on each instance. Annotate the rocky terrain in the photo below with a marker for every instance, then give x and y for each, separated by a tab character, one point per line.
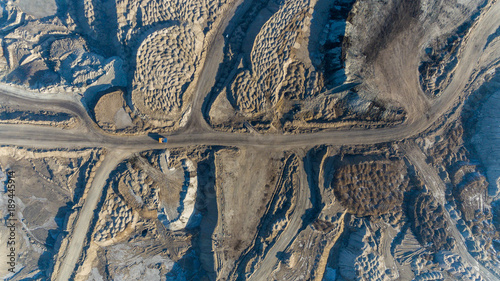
371	188
302	140
54	176
290	81
85	47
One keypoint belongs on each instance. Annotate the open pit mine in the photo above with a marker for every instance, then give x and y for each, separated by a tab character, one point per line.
235	140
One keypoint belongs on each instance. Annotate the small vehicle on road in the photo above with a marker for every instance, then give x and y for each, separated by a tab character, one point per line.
162	140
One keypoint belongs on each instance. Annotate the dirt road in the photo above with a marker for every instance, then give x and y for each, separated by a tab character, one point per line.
271	259
197	133
200	134
213	59
438	188
74	249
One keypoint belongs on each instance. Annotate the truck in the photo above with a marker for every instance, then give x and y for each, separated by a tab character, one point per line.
162	140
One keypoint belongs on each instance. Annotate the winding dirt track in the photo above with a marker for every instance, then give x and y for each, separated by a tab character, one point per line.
271	259
80	231
94	137
198	133
438	188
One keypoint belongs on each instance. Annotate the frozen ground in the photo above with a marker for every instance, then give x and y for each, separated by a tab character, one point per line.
487	140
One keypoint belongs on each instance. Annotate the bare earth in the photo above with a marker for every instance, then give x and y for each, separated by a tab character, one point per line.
306	140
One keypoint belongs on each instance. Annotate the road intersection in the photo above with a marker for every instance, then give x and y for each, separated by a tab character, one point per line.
197	132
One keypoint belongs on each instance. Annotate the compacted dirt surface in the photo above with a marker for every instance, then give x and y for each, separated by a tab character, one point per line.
305	140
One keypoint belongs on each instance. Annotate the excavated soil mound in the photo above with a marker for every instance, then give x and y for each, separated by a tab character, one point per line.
111	112
371	188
